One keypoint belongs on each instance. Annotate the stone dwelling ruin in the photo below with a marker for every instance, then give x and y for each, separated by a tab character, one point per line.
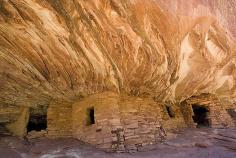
121	123
117	74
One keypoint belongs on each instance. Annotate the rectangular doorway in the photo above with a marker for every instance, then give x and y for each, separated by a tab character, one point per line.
37	120
200	116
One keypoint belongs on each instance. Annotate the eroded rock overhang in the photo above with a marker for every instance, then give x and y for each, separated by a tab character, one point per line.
67	49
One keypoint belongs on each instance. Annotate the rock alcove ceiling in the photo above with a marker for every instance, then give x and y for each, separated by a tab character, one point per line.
64	50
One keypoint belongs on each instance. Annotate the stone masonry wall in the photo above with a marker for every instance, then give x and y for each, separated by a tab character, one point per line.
187	112
59	119
122	123
231	109
176	122
232	113
218	115
141	120
104	133
125	123
18	128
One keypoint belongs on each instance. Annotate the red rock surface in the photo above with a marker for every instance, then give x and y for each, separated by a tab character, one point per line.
223	11
64	49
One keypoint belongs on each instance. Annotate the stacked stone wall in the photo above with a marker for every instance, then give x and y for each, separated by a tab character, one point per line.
141	120
122	123
59	119
175	122
218	115
106	133
125	123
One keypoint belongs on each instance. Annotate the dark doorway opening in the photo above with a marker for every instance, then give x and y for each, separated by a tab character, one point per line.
232	113
200	116
170	112
37	120
90	116
3	130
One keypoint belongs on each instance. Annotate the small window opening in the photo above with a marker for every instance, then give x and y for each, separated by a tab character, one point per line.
37	121
90	116
200	116
170	112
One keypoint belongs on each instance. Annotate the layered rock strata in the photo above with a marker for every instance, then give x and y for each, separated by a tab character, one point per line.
156	58
68	49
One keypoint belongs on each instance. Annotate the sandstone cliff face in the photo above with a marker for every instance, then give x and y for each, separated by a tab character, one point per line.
170	50
222	11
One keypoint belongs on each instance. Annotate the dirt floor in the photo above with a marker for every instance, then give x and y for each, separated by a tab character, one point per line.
191	143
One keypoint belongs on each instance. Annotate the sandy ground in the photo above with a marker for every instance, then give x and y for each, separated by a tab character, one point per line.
191	143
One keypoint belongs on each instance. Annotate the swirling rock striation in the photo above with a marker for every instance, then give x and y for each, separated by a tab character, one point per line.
169	50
